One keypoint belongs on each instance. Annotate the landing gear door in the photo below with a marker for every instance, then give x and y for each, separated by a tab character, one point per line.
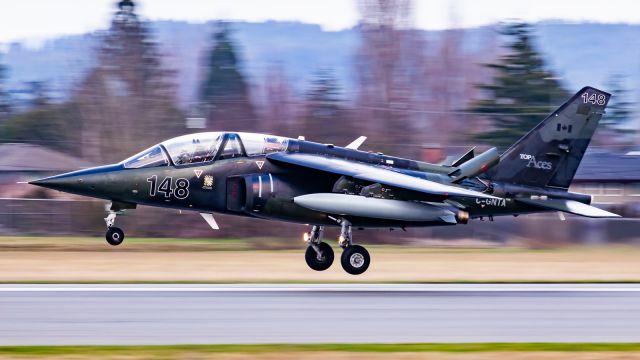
236	193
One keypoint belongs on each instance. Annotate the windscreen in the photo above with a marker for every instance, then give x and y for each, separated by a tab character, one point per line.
154	156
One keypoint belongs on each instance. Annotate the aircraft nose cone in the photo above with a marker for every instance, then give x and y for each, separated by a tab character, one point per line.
59	182
81	182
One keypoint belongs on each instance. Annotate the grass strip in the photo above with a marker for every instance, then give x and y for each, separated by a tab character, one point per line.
312	282
170	350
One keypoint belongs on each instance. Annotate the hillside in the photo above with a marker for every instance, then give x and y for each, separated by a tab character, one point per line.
580	53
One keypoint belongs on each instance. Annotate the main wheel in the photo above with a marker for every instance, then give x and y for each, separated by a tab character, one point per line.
322	262
115	236
355	259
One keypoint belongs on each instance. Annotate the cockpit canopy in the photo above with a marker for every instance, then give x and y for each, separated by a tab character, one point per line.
206	147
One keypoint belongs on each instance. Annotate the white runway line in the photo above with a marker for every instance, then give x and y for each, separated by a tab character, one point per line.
339	288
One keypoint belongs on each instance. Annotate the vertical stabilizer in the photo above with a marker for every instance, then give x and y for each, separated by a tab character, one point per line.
549	155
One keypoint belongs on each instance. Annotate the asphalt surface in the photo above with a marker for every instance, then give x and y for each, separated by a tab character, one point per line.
235	314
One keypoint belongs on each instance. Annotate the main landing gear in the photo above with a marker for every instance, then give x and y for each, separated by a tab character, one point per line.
355	259
114	235
319	255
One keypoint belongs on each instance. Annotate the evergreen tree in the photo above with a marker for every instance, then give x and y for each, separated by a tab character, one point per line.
128	101
326	119
620	108
522	92
5	101
38	94
224	93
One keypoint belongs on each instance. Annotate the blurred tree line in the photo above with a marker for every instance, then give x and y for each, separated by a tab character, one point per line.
411	93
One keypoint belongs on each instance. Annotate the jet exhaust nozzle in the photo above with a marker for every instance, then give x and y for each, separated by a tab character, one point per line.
462	217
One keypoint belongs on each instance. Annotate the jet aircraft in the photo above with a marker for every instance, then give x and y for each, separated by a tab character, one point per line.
294	180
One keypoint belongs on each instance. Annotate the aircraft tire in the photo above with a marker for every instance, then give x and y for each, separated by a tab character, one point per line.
114	236
312	259
355	259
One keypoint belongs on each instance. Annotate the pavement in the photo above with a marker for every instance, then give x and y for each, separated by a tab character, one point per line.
345	313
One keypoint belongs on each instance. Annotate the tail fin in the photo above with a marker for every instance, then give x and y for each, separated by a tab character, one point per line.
549	155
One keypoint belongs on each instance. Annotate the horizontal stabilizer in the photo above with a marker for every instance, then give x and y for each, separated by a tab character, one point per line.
355	144
368	207
477	165
464	158
570	206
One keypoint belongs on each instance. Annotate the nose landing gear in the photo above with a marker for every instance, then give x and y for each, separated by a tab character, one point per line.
114	235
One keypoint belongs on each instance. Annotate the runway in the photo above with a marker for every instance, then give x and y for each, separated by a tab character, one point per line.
346	313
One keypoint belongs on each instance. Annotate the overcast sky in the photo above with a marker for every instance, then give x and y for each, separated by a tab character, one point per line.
36	20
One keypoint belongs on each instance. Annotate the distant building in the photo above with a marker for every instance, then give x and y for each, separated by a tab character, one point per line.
610	178
24	162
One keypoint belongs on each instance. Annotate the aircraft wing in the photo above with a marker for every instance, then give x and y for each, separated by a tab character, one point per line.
375	174
570	206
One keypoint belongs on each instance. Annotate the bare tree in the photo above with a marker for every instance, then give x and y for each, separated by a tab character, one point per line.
386	66
280	113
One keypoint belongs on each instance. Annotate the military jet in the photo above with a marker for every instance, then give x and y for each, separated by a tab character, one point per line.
294	180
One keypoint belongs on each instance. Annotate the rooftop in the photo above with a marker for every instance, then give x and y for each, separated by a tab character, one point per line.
605	166
20	157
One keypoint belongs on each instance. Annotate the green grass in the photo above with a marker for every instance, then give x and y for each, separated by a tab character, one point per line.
174	350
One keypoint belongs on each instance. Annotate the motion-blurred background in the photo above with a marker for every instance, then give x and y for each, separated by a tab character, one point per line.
86	83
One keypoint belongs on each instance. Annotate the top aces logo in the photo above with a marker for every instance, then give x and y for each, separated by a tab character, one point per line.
532	163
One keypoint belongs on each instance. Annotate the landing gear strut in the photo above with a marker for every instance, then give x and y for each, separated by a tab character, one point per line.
114	235
319	255
355	259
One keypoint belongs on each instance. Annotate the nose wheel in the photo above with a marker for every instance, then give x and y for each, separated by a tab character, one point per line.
114	235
